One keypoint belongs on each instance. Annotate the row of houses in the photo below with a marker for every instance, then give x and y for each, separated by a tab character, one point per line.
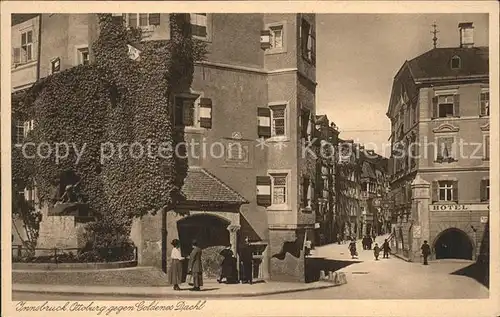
258	84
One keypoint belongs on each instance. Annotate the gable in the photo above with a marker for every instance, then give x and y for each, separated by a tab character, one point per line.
404	90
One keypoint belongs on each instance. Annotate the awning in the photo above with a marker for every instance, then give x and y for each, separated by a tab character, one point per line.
202	186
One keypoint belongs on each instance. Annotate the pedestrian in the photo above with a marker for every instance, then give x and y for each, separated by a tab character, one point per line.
228	269
246	260
426	251
195	267
376	251
175	273
369	242
364	242
352	248
386	249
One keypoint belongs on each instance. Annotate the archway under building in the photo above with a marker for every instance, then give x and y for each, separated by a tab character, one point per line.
208	230
453	243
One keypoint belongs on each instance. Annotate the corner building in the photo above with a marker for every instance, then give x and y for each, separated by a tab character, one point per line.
439	110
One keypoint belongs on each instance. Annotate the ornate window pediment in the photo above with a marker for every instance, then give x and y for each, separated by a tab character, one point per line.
485	127
445	127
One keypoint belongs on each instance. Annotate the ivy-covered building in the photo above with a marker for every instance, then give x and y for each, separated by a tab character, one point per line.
245	119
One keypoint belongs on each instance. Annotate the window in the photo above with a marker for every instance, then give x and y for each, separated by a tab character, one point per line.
237	153
308	42
199	24
83	56
27	46
142	19
278	120
276	36
485	103
19	136
486	147
305	123
455	62
445	149
279	189
445	106
485	189
185	112
446	191
55	65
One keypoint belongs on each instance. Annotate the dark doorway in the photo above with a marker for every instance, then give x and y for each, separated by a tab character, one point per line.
207	230
453	244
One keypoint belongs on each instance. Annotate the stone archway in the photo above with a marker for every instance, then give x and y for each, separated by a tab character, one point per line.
453	243
207	229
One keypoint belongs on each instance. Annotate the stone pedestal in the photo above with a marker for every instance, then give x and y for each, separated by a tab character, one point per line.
420	229
287	261
59	231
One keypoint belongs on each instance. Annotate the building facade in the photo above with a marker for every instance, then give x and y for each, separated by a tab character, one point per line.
439	111
251	104
374	189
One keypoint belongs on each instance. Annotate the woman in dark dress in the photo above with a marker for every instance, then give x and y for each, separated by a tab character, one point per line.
227	269
246	259
175	273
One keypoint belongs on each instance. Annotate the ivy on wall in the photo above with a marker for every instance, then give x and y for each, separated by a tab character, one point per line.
108	105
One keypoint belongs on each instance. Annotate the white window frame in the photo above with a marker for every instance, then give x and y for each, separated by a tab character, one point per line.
283	48
52	61
80	50
147	27
439	103
273	107
484	91
195	97
286	175
203	22
446	187
29	45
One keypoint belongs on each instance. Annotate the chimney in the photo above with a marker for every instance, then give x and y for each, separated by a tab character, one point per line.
466	34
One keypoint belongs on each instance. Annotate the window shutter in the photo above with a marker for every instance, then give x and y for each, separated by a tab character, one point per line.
434	107
206	113
264	122
455	191
482	190
264	191
456	105
435	191
16	55
154	19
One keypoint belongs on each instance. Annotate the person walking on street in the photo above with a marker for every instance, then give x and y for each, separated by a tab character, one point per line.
369	242
175	273
386	249
195	268
352	248
376	251
426	251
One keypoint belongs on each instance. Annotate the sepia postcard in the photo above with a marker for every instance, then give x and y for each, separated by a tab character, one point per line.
250	158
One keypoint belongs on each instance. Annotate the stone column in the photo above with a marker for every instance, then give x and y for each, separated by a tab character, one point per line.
420	214
233	239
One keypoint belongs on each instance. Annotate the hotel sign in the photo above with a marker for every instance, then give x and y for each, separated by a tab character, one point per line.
460	207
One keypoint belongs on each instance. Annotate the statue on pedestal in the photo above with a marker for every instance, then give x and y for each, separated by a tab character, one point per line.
68	201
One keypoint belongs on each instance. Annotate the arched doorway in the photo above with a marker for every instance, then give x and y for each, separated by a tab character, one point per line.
208	230
453	244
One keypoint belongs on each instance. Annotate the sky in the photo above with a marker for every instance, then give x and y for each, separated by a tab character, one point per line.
358	56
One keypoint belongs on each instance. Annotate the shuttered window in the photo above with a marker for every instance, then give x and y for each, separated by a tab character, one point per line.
485	190
279	189
199	24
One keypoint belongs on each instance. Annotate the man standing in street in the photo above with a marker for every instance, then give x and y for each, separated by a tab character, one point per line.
386	249
426	251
